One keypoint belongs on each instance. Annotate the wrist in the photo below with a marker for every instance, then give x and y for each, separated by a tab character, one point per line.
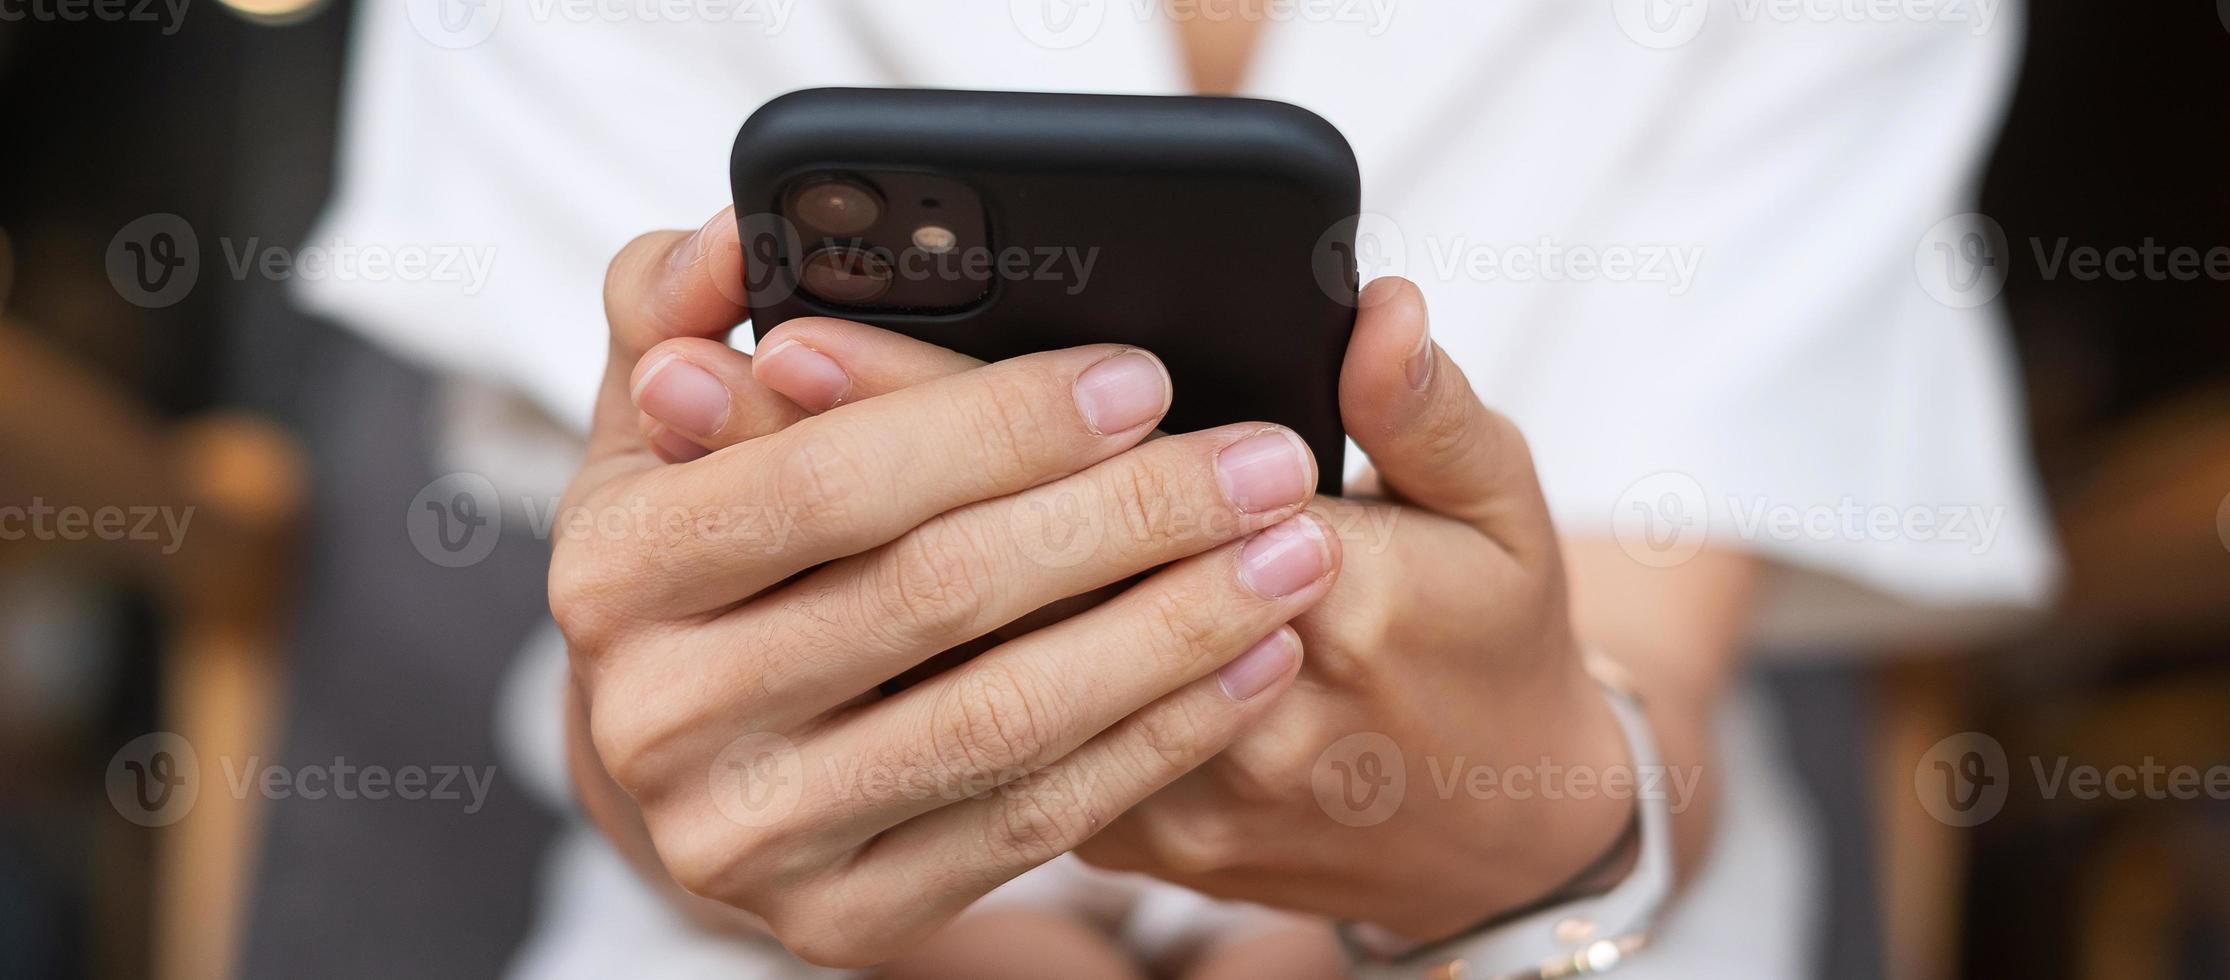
1587	927
1550	820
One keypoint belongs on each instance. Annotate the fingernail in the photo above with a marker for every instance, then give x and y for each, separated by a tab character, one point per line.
687	254
1122	392
1254	671
1284	559
806	376
1418	368
684	396
1266	471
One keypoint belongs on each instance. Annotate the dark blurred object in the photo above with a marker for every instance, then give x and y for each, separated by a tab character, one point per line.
104	122
2117	139
104	407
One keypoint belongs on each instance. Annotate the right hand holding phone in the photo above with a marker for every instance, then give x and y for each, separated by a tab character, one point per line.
738	580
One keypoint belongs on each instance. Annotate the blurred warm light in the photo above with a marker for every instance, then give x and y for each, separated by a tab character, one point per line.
274	11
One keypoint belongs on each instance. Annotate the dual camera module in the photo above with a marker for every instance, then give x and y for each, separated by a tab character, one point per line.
888	241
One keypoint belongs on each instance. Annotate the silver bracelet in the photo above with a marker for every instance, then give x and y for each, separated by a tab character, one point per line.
1579	938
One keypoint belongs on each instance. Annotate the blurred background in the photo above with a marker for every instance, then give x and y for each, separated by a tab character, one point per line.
196	430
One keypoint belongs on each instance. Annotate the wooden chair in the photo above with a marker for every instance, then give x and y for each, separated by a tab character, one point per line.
70	438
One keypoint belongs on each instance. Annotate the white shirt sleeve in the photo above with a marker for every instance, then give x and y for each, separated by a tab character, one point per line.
1786	383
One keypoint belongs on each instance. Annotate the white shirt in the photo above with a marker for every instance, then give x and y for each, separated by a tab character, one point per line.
1683	243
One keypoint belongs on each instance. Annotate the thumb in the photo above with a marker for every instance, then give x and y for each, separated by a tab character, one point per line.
1432	442
677	294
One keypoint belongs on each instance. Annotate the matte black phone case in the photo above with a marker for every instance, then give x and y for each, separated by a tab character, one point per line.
1224	229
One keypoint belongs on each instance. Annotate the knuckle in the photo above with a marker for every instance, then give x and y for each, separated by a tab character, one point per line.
630	745
697	879
1195	843
1184	621
1000	418
1355	633
1506	442
744	866
1476	429
822	932
1448	434
700	858
994	728
702	876
940	578
1142	496
582	600
1033	829
1176	736
819	481
1270	762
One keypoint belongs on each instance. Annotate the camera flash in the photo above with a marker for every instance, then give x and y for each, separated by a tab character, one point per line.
934	239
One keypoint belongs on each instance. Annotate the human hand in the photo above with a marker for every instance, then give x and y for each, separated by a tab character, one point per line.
773	568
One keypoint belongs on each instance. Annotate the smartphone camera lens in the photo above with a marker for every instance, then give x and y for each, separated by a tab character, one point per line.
835	206
847	275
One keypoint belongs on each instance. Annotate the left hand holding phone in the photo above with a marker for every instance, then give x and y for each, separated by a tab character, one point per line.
774	565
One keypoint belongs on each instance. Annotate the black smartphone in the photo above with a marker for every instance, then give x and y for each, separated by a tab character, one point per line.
1217	233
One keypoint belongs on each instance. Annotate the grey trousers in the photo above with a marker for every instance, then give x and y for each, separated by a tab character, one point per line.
395	664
